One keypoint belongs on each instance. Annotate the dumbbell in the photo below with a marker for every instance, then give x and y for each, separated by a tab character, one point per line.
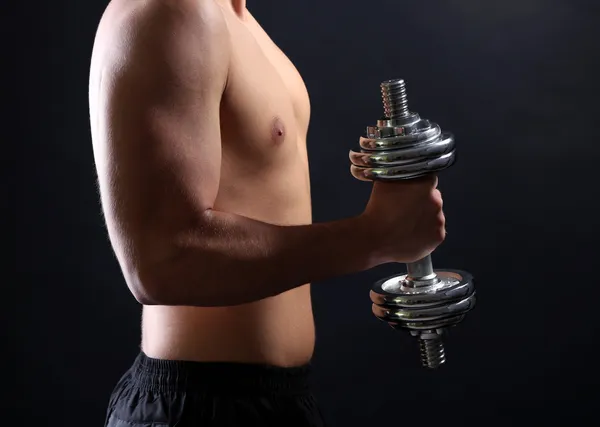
423	301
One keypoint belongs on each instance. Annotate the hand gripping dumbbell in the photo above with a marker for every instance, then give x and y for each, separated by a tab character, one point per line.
423	300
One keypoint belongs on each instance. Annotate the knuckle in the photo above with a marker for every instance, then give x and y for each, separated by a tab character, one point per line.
441	218
436	198
440	235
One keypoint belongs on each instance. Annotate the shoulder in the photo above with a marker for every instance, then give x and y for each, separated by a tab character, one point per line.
164	20
154	31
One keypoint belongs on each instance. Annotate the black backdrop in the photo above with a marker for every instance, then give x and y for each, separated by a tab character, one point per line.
516	81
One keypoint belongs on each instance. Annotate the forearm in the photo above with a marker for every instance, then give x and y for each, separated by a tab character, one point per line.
230	260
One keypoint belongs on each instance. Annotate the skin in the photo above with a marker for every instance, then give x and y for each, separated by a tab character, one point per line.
199	125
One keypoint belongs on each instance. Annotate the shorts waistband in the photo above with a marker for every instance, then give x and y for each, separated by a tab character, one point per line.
160	374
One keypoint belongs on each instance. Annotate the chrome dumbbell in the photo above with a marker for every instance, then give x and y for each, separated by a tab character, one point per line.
424	301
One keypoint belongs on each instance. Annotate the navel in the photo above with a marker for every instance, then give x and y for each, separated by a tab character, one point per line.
277	131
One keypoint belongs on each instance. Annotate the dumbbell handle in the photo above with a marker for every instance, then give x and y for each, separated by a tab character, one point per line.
421	270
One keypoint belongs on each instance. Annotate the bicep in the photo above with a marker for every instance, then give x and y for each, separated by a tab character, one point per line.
161	89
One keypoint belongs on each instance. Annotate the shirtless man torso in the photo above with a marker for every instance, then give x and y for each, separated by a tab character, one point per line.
199	125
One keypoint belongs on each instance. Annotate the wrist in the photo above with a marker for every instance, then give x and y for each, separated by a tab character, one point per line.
366	242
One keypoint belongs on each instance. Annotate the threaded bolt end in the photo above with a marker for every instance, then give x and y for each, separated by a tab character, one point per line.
432	352
395	102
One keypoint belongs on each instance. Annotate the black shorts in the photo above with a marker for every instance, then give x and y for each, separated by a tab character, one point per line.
161	393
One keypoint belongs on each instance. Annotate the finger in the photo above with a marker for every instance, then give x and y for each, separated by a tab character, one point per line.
436	195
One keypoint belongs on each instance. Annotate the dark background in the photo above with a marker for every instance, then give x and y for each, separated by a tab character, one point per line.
516	81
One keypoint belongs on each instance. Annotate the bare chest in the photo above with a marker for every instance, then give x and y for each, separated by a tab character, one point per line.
266	108
264	121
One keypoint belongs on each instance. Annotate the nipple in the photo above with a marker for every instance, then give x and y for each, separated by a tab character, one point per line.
277	131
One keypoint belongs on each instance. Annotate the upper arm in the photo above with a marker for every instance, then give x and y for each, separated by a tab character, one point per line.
157	77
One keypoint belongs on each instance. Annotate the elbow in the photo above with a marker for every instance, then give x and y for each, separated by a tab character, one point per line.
146	298
167	274
169	284
147	287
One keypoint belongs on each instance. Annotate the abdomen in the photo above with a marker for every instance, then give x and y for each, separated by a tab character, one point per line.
277	331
